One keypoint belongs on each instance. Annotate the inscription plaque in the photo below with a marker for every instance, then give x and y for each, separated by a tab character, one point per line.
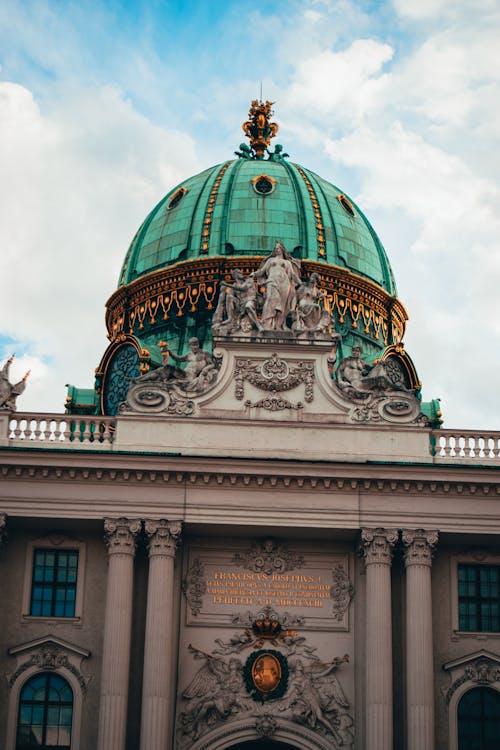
224	590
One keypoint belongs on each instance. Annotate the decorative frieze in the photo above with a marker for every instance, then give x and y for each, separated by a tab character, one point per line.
419	546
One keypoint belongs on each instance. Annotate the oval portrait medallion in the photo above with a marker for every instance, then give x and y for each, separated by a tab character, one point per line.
266	674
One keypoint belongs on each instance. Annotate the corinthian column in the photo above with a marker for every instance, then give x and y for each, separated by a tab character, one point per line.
120	537
164	536
377	547
419	546
3	523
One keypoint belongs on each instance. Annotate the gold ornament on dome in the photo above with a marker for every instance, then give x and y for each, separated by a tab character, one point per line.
258	128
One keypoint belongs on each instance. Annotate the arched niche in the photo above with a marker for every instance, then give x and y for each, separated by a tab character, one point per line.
264	731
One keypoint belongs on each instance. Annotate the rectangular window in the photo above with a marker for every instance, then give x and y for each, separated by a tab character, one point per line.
53	589
479	598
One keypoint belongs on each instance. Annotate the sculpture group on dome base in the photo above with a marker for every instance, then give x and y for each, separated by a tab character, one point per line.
169	388
274	306
274	301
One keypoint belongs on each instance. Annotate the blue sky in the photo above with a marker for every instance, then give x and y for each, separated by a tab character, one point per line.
105	106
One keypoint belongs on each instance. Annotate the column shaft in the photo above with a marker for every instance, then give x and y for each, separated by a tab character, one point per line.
377	546
121	535
419	647
157	677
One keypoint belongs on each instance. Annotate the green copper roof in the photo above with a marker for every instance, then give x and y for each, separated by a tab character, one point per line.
221	212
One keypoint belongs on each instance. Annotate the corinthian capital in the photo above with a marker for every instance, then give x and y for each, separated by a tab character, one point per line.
3	523
163	536
121	535
419	546
377	545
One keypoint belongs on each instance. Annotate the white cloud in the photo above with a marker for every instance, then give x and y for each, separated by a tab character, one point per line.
77	182
344	84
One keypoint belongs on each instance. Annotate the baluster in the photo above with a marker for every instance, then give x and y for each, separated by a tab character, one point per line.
86	431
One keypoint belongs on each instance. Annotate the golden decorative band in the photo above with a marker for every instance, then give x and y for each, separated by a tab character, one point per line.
190	286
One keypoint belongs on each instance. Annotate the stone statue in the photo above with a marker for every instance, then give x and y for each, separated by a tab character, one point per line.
278	153
317	700
10	391
215	693
358	379
311	315
281	277
199	373
237	309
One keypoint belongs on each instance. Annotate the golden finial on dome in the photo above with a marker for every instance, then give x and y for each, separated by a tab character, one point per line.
258	128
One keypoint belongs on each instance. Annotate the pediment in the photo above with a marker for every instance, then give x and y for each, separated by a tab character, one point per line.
48	642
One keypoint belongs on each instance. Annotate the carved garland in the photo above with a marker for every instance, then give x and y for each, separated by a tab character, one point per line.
274	375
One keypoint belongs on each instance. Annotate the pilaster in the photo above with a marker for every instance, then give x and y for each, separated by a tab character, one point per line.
377	547
120	537
419	546
163	538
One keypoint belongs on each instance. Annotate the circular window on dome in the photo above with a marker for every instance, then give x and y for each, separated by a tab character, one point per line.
346	204
177	197
263	184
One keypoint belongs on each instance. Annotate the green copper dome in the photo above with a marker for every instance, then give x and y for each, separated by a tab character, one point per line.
241	207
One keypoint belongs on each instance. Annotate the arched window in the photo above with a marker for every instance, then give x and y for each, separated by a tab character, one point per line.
45	713
479	719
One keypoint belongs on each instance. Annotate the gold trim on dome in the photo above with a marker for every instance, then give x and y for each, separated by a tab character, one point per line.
207	221
263	176
191	286
346	205
177	197
320	230
398	351
122	339
259	128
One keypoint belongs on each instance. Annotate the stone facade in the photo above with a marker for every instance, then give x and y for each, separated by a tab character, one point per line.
339	571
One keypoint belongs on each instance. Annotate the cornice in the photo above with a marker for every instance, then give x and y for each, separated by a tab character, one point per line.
181	471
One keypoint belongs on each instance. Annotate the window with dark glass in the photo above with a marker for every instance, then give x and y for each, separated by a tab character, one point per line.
479	719
53	589
479	598
45	713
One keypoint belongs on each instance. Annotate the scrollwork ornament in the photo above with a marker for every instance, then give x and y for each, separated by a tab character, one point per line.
194	586
268	557
482	671
49	659
163	536
377	545
121	535
341	592
419	546
274	375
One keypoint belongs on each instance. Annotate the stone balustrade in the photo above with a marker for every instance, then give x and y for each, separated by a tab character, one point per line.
466	445
56	431
59	431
